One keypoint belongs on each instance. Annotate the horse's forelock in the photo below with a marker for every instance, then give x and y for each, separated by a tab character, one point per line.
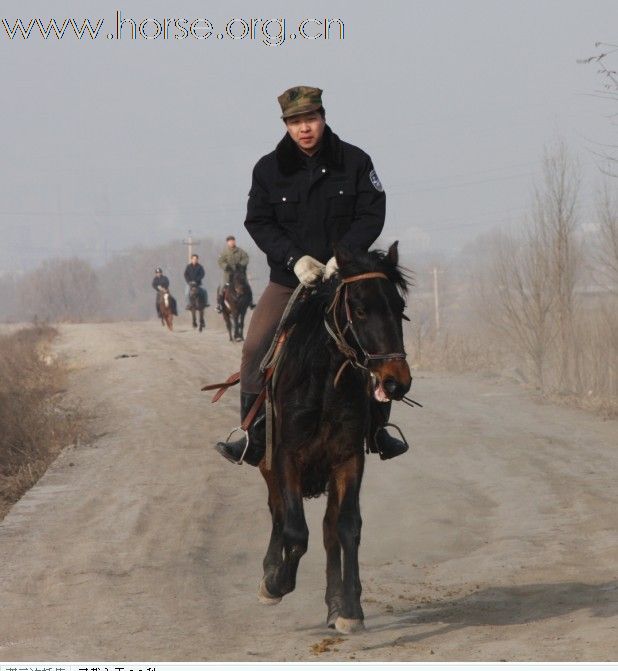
376	261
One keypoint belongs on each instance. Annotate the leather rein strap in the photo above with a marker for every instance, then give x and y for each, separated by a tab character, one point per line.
235	379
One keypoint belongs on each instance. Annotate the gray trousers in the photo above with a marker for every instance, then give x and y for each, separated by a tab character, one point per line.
264	322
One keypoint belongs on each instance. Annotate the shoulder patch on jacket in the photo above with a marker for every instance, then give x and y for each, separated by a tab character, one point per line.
375	181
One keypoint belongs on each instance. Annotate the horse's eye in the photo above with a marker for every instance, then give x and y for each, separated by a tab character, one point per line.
360	313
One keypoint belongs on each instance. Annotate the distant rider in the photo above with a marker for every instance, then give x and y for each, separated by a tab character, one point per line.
194	272
230	258
159	282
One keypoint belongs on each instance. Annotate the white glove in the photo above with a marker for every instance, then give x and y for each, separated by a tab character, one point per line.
308	270
331	268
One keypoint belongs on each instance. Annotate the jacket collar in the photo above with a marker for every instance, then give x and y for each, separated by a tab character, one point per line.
290	159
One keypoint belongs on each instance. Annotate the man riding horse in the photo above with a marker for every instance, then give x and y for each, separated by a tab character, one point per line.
161	284
194	272
314	192
232	258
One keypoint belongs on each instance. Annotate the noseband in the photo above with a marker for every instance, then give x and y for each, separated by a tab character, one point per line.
338	333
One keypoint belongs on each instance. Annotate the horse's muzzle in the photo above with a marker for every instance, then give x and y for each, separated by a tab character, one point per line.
392	380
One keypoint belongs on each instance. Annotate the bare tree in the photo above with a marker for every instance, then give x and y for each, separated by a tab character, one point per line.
519	298
606	59
530	296
555	211
606	253
61	290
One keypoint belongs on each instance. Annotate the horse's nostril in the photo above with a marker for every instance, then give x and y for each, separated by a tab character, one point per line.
390	385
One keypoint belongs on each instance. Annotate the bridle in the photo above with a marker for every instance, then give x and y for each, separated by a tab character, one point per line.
338	334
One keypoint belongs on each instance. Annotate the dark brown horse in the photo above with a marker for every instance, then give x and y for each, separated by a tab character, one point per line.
236	300
345	352
197	303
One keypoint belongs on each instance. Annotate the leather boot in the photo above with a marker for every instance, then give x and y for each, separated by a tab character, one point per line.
219	307
233	450
251	303
379	441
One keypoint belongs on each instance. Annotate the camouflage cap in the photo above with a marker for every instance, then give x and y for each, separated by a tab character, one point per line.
300	100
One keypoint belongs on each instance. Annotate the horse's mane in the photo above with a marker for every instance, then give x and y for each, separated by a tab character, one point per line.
306	344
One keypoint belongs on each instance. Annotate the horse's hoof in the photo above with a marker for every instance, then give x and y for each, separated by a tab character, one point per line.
333	614
331	620
346	626
265	597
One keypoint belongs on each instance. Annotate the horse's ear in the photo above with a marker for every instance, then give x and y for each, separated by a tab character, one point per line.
393	253
343	255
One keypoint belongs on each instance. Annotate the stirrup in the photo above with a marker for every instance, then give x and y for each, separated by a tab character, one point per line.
375	434
241	461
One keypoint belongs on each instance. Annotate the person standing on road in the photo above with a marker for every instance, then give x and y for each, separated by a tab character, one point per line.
313	192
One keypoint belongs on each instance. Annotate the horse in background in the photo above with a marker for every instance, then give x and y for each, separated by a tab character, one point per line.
344	352
166	307
197	303
237	297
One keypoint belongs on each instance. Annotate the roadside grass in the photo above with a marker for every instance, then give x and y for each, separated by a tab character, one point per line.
34	424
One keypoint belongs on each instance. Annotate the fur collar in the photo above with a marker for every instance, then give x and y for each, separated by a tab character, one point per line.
289	158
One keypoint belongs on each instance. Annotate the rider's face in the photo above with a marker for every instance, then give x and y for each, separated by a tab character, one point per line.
306	130
231	244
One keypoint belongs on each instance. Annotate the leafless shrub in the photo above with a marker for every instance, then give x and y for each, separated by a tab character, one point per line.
60	290
35	426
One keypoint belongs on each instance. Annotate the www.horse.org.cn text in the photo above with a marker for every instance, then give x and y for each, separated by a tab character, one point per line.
272	32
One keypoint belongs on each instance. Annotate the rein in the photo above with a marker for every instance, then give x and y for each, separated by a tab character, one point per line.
338	334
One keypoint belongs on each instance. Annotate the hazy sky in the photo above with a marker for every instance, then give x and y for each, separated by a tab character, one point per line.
109	143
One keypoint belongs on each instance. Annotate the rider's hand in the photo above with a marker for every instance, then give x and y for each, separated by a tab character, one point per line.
331	268
308	270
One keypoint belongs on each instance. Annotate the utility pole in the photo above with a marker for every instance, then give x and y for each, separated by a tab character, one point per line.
435	299
190	242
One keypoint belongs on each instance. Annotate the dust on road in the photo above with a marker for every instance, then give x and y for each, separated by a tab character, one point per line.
494	538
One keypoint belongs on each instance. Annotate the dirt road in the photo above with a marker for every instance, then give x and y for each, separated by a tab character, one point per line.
495	538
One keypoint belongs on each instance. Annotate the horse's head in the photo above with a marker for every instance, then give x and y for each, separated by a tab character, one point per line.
193	289
368	313
239	279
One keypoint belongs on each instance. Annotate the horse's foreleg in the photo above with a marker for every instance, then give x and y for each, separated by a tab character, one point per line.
228	323
295	532
202	322
241	328
334	584
193	320
274	555
347	482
